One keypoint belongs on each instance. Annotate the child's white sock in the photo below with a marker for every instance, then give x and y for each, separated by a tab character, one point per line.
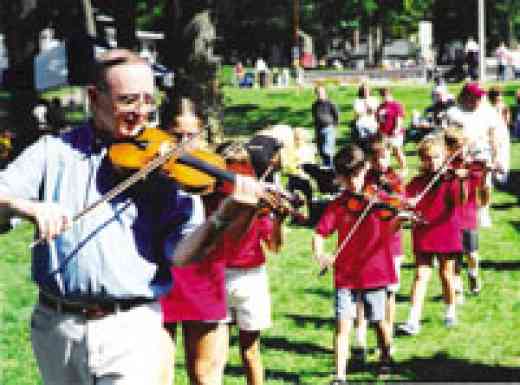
450	310
361	336
415	315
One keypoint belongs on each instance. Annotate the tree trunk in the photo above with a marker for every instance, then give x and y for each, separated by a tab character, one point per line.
370	44
378	57
355	40
188	49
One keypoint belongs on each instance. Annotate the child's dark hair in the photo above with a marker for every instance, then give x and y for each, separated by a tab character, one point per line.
349	159
377	146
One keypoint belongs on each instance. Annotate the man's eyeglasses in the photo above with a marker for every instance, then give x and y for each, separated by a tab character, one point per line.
130	102
182	136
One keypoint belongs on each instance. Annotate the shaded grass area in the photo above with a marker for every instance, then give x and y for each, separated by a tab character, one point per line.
485	346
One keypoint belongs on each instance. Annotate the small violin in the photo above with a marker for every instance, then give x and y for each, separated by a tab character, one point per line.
386	207
279	202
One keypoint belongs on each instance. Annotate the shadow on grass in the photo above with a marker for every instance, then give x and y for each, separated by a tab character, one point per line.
241	108
443	368
501	265
399	298
284	344
317	322
238	124
513	184
277	375
324	293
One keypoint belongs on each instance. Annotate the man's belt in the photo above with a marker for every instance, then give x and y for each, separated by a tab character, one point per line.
91	310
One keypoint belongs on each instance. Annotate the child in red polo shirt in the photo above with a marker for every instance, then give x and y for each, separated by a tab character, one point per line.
438	235
365	265
247	286
473	176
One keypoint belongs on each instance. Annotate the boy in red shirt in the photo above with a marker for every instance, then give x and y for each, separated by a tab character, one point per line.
438	235
473	177
390	115
365	265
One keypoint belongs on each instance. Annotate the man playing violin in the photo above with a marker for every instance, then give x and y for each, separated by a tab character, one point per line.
97	319
364	267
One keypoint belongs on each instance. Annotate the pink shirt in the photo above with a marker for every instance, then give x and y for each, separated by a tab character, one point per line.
441	232
366	261
199	290
396	186
387	114
198	293
248	252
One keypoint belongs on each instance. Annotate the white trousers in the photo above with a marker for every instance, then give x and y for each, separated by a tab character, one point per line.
125	348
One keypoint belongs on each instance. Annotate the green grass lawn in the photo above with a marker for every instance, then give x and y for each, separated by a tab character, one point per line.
485	346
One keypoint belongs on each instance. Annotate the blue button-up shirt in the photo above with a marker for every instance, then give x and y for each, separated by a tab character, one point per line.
119	250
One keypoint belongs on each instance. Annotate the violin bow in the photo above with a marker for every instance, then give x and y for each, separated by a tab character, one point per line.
373	200
163	156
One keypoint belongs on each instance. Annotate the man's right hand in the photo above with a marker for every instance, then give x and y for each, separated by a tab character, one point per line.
51	218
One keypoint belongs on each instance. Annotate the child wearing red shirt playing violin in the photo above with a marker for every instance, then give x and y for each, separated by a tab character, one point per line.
364	267
438	235
384	177
247	287
476	193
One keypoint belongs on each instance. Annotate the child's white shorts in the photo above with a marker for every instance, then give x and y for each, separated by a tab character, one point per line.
249	301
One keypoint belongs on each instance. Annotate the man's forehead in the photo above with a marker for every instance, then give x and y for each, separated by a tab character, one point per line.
130	75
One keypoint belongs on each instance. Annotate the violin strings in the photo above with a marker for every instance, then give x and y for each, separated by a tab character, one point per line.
173	151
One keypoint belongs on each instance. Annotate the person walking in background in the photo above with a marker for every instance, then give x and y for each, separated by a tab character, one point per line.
326	119
472	52
365	123
503	57
390	115
496	100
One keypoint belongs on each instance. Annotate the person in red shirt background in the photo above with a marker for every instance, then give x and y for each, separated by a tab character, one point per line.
246	280
365	265
390	115
437	235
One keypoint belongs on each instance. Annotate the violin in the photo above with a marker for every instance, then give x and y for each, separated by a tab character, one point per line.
278	202
386	206
195	170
